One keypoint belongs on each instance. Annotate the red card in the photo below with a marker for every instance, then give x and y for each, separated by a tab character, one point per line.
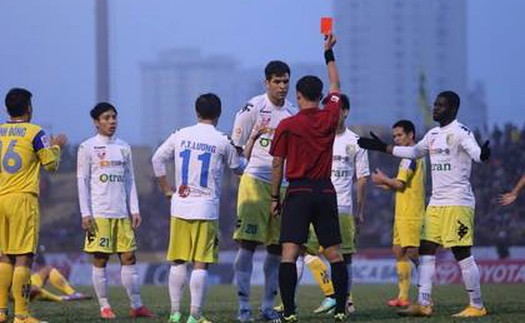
326	25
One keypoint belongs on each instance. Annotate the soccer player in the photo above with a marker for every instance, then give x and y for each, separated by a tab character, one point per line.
449	218
349	161
255	226
306	142
42	273
409	186
107	194
510	197
199	153
24	149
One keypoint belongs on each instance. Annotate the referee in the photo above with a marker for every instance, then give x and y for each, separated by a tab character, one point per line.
306	141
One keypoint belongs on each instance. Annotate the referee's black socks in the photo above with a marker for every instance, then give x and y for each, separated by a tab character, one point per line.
340	282
287	284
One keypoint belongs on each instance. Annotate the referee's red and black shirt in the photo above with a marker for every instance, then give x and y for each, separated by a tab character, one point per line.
306	140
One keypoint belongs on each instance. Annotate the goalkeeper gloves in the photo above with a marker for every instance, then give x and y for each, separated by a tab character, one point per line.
373	143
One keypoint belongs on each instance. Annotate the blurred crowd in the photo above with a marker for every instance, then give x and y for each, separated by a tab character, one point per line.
495	225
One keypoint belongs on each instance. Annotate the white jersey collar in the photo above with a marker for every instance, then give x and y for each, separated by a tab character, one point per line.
105	139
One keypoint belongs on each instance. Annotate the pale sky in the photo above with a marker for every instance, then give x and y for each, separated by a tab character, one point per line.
49	48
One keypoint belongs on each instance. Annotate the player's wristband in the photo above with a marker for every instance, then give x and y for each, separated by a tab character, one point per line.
275	197
329	56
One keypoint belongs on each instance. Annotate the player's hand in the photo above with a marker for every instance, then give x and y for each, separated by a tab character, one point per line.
88	223
485	151
507	198
373	143
168	195
329	41
59	140
378	177
275	208
136	220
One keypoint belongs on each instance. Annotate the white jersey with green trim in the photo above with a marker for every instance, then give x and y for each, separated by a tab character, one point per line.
259	112
199	153
452	149
349	160
105	178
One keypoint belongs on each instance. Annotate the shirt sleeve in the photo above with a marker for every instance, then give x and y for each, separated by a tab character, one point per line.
471	147
243	124
412	152
362	167
49	156
407	169
162	155
131	188
279	145
332	103
83	179
231	157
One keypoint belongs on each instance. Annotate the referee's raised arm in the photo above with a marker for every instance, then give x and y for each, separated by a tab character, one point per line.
333	74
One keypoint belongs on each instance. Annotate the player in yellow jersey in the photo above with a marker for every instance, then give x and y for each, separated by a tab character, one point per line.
409	186
24	148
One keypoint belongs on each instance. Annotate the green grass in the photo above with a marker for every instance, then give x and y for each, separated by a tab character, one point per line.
505	303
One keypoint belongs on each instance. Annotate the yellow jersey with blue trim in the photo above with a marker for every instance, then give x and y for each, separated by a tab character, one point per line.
24	148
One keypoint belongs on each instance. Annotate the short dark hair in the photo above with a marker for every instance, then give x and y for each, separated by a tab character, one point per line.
276	68
452	99
208	106
311	87
100	108
407	125
17	101
346	102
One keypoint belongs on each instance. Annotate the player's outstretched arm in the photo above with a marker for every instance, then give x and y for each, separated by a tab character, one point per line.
510	197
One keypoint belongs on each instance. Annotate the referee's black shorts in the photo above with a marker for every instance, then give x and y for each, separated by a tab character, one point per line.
310	201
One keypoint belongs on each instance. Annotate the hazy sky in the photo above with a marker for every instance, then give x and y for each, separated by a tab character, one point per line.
48	47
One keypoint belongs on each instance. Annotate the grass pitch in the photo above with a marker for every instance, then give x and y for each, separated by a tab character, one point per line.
505	303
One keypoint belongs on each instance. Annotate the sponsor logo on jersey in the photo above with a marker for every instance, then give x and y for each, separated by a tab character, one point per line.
341	173
185	191
111	163
441	167
341	158
111	178
440	151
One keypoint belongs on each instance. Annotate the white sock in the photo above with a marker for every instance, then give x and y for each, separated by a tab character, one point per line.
177	280
271	280
198	281
426	271
130	280
471	279
100	284
243	267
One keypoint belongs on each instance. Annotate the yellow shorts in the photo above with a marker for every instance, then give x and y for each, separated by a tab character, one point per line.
194	240
449	226
19	223
111	236
254	222
348	236
406	232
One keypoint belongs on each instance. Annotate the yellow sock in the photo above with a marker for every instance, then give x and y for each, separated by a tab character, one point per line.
45	295
21	289
320	273
60	282
6	276
403	278
36	280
